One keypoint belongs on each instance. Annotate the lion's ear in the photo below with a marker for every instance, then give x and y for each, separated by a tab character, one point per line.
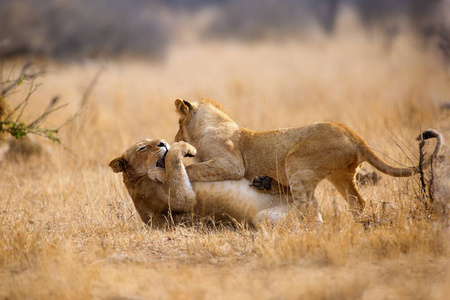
183	107
118	164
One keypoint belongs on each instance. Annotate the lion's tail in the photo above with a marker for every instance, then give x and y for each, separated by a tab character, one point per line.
384	167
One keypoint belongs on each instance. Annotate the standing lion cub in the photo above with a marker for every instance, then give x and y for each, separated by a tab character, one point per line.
298	158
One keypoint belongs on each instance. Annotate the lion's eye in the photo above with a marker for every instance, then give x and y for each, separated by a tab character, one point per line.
161	144
141	148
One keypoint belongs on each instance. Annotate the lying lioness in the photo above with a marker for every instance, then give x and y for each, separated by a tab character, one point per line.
298	158
222	200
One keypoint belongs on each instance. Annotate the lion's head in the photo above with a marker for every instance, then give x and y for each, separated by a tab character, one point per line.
139	158
195	118
134	163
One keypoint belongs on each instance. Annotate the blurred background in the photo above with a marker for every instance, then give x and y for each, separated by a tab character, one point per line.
68	30
288	62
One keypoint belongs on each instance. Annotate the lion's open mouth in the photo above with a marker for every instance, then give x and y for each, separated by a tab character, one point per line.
161	163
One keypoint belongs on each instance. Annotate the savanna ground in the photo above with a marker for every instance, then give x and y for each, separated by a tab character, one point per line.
69	229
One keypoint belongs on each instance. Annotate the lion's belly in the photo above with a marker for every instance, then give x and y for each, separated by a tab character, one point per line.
267	165
265	152
236	199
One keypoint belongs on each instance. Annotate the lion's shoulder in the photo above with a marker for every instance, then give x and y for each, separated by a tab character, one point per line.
213	103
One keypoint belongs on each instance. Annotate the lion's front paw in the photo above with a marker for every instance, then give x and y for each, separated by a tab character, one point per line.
262	183
157	174
190	151
185	149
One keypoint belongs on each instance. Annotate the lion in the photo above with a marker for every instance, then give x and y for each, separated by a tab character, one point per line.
298	158
157	202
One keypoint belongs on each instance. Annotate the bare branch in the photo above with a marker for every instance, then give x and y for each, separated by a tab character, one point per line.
431	182
71	119
17	81
427	192
405	142
405	153
421	159
44	115
18	128
24	103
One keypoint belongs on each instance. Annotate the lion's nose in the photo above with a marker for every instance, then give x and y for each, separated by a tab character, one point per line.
164	144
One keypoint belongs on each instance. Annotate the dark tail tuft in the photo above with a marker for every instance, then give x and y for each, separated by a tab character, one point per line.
428	134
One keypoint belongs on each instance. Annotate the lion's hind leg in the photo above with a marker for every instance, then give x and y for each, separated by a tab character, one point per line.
345	183
302	183
304	172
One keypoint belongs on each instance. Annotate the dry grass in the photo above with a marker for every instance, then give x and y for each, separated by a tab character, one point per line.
69	230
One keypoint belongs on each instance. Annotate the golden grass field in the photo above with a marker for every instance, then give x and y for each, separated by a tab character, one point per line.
68	229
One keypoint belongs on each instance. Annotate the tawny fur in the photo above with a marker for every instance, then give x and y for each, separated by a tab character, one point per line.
222	200
298	158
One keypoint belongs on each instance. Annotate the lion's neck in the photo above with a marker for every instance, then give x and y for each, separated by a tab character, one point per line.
207	124
131	180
